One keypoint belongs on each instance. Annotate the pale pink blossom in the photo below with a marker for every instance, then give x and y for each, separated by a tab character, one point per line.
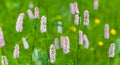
19	23
106	31
112	50
80	37
25	43
74	8
43	27
76	19
96	4
31	5
76	11
52	53
65	44
4	60
59	30
56	43
2	42
86	42
36	10
16	51
30	14
86	18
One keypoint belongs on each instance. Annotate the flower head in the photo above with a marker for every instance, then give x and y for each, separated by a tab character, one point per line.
43	27
74	8
76	19
96	4
100	43
86	42
31	5
80	37
36	12
106	31
86	18
30	14
59	30
56	43
112	50
113	31
52	53
65	44
19	23
2	42
16	51
97	21
25	43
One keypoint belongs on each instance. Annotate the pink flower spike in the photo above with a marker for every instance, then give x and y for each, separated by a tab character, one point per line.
25	43
36	12
59	30
31	5
80	37
86	42
30	14
52	53
72	8
112	50
43	27
86	18
19	23
16	51
56	43
76	11
96	4
106	31
2	42
76	19
65	44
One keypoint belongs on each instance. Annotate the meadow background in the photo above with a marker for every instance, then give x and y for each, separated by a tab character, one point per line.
59	10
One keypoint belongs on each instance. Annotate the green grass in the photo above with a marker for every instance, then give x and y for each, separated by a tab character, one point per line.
108	12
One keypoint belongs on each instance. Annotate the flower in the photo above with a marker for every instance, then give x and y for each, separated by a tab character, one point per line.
30	14
43	27
80	37
31	5
36	12
52	53
19	23
25	43
65	44
59	29
56	43
73	28
100	43
16	51
96	4
74	8
86	42
106	31
113	31
112	50
86	18
76	19
97	21
4	60
2	42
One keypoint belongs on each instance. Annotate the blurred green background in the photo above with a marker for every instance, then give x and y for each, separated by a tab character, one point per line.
55	10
